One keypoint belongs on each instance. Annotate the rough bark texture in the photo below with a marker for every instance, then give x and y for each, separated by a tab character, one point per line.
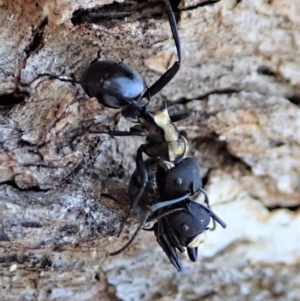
240	74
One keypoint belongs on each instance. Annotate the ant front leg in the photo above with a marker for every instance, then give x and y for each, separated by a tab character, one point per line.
170	73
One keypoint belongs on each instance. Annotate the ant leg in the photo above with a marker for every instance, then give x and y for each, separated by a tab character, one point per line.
118	133
145	219
181	116
134	131
163	204
116	200
206	201
74	82
172	235
175	240
141	169
132	238
214	216
213	228
170	73
167	246
154	218
52	76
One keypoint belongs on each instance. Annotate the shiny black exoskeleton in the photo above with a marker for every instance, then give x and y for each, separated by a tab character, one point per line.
165	182
164	141
183	229
180	222
117	85
114	84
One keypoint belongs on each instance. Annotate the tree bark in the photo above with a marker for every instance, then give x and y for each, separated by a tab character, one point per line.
239	74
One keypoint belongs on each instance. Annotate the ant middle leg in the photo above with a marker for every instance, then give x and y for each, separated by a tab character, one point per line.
134	131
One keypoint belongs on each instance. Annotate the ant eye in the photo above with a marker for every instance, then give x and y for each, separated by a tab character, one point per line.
178	181
185	227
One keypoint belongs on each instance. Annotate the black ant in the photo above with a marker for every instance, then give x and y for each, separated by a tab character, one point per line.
117	85
165	182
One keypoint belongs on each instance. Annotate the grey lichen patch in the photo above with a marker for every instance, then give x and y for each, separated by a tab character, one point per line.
56	218
50	133
48	157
